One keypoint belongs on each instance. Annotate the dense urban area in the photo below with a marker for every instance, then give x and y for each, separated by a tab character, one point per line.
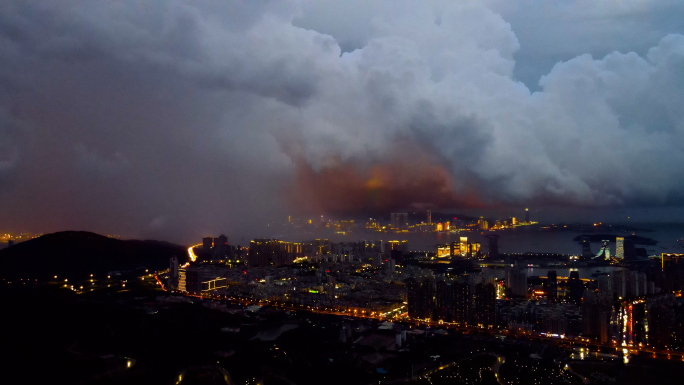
377	312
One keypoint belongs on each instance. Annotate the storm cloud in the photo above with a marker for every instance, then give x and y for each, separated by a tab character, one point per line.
175	119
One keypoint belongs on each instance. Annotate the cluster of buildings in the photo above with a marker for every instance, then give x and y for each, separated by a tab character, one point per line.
361	277
9	239
625	250
399	222
469	299
624	308
402	222
273	252
380	279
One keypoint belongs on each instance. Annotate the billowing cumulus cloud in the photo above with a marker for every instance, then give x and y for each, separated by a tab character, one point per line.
174	119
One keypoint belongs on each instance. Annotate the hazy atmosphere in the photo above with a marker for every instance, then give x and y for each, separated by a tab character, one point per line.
173	119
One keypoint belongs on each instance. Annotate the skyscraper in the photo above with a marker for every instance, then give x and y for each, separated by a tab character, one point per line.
429	217
443	305
420	298
586	248
485	304
220	249
551	285
596	312
207	244
673	269
527	215
605	285
399	220
493	245
576	287
463	246
604	253
173	273
516	282
620	247
462	302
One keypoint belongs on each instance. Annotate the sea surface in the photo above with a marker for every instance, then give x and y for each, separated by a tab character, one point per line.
523	239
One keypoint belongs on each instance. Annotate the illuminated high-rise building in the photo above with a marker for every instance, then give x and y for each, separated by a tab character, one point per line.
463	246
620	247
182	280
267	252
429	217
527	215
604	253
473	250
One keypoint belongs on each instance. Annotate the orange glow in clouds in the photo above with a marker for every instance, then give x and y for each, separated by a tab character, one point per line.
413	181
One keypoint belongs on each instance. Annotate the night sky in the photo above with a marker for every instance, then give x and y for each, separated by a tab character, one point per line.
176	119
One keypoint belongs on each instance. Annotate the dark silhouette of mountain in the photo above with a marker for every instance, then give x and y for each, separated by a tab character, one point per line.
78	254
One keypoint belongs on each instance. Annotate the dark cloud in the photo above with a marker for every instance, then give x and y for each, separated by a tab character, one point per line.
175	119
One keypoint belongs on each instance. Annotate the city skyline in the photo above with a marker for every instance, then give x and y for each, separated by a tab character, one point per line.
173	120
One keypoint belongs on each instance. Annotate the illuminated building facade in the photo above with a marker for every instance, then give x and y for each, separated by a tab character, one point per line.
633	323
182	279
467	300
463	246
202	278
273	252
620	247
604	253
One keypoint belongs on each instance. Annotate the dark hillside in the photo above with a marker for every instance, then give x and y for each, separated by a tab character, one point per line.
80	253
